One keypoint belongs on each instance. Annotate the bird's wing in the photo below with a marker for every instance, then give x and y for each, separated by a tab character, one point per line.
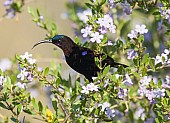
82	61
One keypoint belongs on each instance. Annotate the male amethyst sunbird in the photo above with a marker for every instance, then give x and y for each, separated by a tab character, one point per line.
79	58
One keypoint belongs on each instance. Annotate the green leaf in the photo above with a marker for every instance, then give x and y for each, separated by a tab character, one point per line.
102	2
77	41
168	92
3	106
136	74
46	71
136	62
28	111
17	57
156	13
141	38
104	57
152	63
19	108
34	104
97	61
131	115
38	13
89	5
40	106
106	70
53	26
159	83
73	98
15	120
54	103
145	58
31	11
157	120
8	82
144	70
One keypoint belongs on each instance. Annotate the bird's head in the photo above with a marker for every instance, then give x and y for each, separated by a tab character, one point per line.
61	41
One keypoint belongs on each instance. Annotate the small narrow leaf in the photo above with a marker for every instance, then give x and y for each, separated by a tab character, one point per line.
145	58
168	92
3	106
54	103
89	5
106	70
34	104
19	109
40	106
14	119
152	64
136	74
46	70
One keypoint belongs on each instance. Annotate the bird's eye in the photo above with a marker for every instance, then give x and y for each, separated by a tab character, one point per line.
59	40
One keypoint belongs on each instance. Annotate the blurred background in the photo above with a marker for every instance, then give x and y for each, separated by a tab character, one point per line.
18	35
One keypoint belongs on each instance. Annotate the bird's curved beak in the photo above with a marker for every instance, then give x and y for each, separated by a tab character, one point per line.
43	41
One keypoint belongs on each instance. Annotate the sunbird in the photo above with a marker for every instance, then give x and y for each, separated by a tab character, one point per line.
79	58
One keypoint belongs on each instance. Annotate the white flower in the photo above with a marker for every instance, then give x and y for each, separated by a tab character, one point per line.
21	85
145	80
142	90
96	37
108	18
127	8
112	28
159	93
166	14
110	113
166	51
163	58
87	31
139	113
26	56
85	90
117	76
92	87
141	29
22	74
131	54
127	81
122	93
109	43
83	16
104	105
132	34
5	64
158	60
30	77
106	22
150	94
32	61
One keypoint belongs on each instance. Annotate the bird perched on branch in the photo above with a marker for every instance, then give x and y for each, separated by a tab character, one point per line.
79	58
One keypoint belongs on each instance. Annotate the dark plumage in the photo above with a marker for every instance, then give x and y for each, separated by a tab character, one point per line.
80	59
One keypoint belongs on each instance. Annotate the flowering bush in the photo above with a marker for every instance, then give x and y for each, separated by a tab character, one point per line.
138	93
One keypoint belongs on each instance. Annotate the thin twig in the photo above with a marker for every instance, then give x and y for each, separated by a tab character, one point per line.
9	108
67	117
